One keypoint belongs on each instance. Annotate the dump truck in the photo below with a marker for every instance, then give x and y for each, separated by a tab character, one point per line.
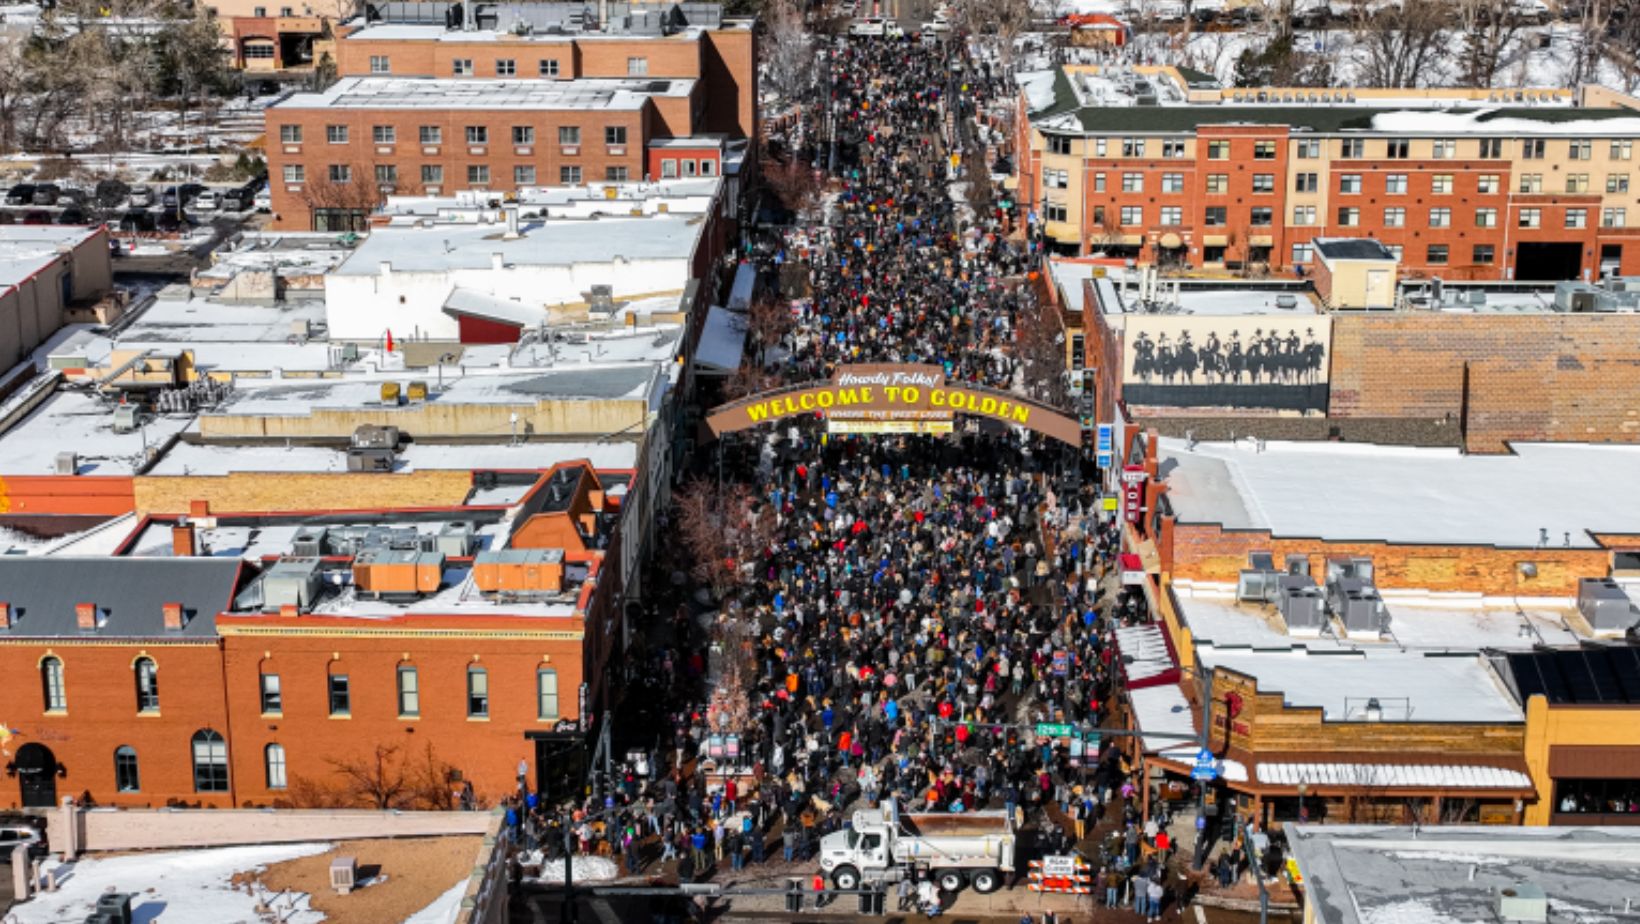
882	845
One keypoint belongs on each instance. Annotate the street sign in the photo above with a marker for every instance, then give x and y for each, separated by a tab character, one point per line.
1049	730
1093	739
1206	768
1058	866
1103	444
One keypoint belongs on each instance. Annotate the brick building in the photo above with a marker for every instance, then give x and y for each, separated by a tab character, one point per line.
1162	165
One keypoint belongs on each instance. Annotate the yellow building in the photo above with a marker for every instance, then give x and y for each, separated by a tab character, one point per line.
1582	733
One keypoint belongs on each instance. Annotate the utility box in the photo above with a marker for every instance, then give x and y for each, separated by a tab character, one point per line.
290	582
519	571
1522	903
1605	605
344	874
1302	605
115	907
398	571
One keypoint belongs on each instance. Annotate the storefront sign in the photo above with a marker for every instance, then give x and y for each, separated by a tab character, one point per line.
1103	447
1133	570
889	426
1133	493
880	392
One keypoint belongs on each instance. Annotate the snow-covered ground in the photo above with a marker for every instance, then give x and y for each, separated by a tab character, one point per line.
587	869
443	909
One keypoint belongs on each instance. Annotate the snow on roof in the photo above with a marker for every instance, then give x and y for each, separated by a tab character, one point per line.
215	459
27	249
1037	87
1147	647
722	340
467	94
1479	122
72	421
189	320
1359	491
1421	776
1164	716
448	247
1118	295
1068	275
572	380
1410	686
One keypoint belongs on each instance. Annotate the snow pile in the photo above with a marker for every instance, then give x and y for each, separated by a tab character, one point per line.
178	886
587	869
443	909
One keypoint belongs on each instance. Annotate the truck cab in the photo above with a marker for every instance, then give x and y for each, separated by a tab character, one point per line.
881	845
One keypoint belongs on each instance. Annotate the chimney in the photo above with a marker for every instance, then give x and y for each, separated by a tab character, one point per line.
174	620
7	617
182	540
86	615
199	508
497	262
288	610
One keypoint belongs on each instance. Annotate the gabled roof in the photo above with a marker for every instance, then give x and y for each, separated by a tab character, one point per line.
130	594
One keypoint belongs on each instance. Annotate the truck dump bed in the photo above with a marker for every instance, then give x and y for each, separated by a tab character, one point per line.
934	824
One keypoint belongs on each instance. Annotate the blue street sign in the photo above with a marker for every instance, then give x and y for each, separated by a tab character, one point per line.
1103	458
1105	439
1204	756
1206	768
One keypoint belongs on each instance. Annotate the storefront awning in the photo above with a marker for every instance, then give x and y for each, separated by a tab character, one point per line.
722	341
1146	655
1133	570
1392	776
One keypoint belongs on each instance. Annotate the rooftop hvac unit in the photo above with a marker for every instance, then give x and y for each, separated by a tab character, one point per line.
290	582
1575	296
1288	302
1298	566
68	463
344	874
125	418
1477	296
309	542
1357	604
1523	903
601	300
1301	604
1255	586
1358	568
370	436
115	907
370	460
1605	605
455	540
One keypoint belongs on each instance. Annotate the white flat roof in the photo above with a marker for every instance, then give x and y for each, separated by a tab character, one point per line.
573	380
399	32
26	249
1068	274
1118	296
1359	491
71	421
559	242
468	94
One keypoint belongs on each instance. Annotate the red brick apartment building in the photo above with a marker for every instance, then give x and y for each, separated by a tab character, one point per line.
425	111
176	672
1161	165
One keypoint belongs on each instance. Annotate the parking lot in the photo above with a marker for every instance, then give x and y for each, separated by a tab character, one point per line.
140	208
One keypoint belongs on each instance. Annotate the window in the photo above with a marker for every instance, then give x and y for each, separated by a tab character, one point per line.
523	134
1133	182
409	683
1531	182
432	134
1441	184
708	167
273	757
1172	149
1055	212
1132	215
1532	148
569	176
1397	148
1395	217
210	761
1487	184
478	693
548	67
1352	147
1099	145
1435	254
1218	150
1613	218
1577	218
1059	144
1303	214
569	135
432	174
1303	253
1215	216
1172	182
1396	250
1622	150
51	682
1617	182
1440	218
387	175
380	64
147	685
1395	184
1306	182
478	175
1309	149
290	134
1264	150
1098	182
1486	218
1349	217
1133	147
1349	183
614	135
1213	253
523	176
341	173
336	134
1218	182
260	12
615	174
1482	254
637	67
1172	215
341	700
383	134
1530	218
1051	179
295	173
1577	182
126	778
1444	149
669	169
1492	148
506	67
462	67
546	693
478	134
1098	215
1580	149
272	702
1264	182
1261	215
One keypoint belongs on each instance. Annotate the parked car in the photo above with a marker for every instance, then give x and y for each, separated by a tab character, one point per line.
208	200
263	201
15	836
21	194
141	197
875	27
110	193
137	220
176	197
37	217
73	215
46	194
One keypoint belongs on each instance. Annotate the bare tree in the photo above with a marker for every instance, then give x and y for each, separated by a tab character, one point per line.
1401	43
722	527
789	60
1039	344
1593	27
995	22
794	183
1491	29
358	191
378	779
768	320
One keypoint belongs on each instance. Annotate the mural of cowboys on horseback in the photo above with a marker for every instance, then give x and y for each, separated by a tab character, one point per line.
1240	361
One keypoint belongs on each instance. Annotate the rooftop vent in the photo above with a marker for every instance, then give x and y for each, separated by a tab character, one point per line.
1523	903
1605	605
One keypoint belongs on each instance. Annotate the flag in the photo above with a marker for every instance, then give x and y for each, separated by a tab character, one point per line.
389	341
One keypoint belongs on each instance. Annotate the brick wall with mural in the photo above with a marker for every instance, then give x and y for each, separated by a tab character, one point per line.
1536	377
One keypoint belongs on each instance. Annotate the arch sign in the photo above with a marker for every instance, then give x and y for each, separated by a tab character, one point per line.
892	399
